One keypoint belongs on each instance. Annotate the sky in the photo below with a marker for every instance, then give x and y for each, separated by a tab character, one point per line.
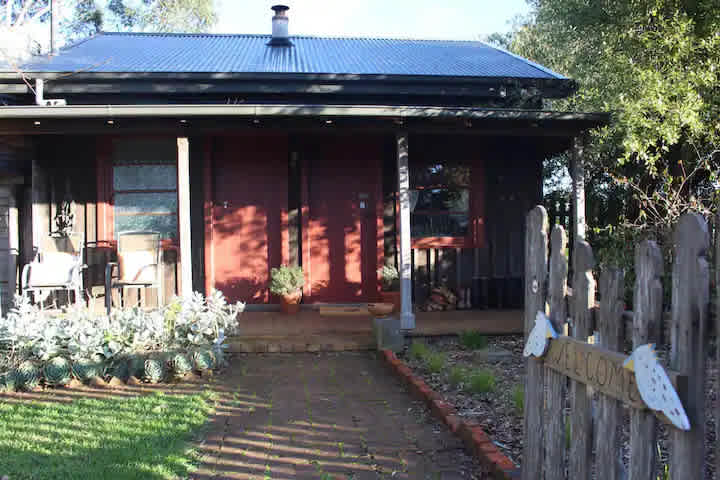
432	19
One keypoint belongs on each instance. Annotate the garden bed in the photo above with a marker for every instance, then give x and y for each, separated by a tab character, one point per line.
483	384
483	381
41	348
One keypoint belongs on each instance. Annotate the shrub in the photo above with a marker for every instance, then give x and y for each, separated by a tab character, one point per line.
518	398
418	351
435	362
28	332
286	280
473	340
457	376
481	381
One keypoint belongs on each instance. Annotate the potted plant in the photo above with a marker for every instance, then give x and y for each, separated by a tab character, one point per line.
287	282
390	286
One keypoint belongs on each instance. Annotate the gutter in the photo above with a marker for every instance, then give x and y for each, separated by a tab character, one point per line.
290	110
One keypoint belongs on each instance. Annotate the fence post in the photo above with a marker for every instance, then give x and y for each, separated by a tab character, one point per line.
554	437
583	301
610	328
536	253
690	299
647	322
717	335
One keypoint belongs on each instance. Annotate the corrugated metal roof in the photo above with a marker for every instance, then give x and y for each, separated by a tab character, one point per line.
204	53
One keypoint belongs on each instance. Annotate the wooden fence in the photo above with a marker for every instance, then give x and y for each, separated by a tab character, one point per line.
567	433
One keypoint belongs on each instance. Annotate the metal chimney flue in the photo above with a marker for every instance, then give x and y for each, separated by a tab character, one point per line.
280	35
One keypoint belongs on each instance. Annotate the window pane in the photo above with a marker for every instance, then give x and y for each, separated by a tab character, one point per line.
165	224
425	225
139	151
165	202
145	177
439	173
442	199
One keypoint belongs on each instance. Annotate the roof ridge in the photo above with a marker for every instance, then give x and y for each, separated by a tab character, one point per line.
267	35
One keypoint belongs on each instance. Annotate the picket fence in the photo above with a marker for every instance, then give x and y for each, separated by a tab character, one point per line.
554	396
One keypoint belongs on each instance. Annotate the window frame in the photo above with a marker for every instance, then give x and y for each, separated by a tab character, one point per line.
106	192
475	236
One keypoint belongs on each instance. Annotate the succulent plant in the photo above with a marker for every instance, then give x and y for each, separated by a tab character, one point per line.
155	369
29	375
58	371
181	363
119	367
203	359
9	381
136	365
88	368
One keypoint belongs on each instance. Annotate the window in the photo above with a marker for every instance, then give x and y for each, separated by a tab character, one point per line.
440	201
144	186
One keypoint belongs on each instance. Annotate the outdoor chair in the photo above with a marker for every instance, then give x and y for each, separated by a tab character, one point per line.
58	265
138	266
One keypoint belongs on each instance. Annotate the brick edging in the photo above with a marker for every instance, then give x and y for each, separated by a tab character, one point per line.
475	439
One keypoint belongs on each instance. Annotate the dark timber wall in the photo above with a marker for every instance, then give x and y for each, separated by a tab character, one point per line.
511	185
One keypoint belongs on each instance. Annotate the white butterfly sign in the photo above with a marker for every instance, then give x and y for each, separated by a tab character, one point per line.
638	380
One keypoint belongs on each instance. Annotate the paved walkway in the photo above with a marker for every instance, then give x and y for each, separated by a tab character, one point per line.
328	416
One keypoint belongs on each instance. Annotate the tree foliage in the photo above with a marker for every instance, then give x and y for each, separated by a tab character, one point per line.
92	16
655	64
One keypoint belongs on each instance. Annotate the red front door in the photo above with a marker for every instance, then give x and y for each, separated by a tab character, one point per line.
249	214
344	202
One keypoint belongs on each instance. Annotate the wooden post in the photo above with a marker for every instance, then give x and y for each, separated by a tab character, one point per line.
610	322
717	335
554	434
647	320
407	318
690	300
577	172
536	258
581	420
183	182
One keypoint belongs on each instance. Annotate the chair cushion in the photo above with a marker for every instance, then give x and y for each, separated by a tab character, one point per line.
137	267
55	269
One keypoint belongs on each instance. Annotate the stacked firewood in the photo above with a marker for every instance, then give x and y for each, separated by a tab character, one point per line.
440	299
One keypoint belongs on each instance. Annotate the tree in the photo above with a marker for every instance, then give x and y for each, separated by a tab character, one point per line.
655	64
21	21
92	16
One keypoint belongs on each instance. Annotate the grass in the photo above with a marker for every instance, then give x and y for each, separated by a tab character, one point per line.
518	399
435	362
419	351
121	438
481	381
473	340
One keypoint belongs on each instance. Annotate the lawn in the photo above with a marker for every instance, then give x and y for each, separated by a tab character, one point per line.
145	437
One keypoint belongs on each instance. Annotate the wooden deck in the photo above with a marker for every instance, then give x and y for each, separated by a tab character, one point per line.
311	331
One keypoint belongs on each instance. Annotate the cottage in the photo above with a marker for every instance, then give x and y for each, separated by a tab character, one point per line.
251	151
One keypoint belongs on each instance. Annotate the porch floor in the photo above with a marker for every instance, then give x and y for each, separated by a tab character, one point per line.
311	331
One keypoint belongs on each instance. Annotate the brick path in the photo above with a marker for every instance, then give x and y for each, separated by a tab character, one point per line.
328	416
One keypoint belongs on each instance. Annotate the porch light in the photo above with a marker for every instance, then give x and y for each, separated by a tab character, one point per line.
111	122
328	122
36	123
183	121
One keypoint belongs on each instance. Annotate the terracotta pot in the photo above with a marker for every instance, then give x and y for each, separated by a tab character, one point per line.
290	304
391	297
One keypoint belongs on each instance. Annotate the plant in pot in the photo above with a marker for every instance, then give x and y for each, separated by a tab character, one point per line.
390	286
287	282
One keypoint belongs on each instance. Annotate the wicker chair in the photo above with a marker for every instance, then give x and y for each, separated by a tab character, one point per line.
138	265
58	265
